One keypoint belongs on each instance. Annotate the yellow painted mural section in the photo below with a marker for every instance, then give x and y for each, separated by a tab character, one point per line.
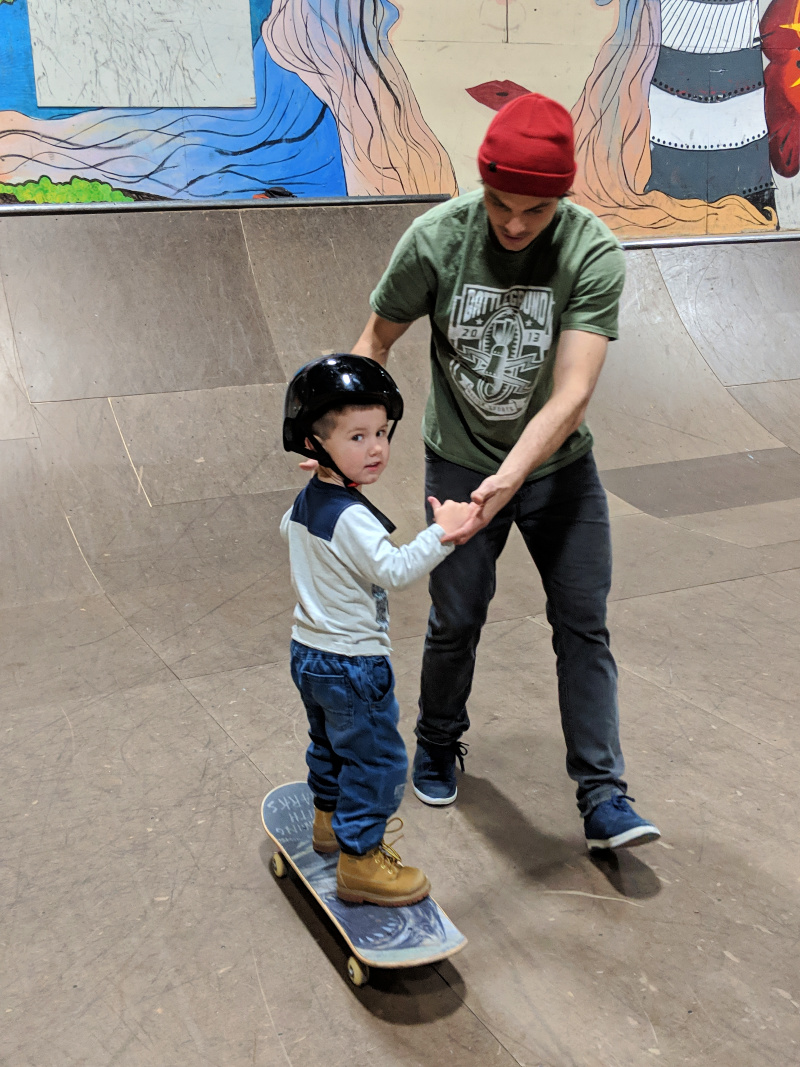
451	45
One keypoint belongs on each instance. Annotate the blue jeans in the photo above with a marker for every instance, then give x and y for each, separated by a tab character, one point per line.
563	518
357	762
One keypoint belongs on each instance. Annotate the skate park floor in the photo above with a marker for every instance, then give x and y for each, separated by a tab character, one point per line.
147	705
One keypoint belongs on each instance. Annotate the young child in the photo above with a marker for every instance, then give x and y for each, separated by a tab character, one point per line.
338	411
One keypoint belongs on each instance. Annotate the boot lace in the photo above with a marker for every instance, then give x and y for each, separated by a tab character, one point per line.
385	854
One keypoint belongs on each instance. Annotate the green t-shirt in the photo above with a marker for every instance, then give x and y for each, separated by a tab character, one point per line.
496	317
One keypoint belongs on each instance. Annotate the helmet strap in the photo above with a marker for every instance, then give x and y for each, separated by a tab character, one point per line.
324	458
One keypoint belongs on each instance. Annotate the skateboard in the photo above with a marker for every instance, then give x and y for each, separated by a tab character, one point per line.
407	936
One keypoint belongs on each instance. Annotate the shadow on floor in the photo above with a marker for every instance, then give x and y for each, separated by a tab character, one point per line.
407	996
627	873
508	829
538	854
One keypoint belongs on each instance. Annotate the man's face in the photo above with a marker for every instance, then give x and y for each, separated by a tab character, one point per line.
518	220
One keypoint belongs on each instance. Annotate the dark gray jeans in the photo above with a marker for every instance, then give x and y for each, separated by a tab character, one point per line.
563	519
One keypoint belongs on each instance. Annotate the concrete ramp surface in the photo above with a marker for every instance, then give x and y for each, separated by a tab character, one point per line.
145	609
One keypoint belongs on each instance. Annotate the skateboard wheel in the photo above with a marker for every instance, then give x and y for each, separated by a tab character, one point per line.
278	865
358	973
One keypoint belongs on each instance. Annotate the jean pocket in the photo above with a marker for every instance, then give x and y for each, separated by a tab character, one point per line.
334	694
377	680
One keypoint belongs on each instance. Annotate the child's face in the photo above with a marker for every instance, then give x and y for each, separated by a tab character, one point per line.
359	444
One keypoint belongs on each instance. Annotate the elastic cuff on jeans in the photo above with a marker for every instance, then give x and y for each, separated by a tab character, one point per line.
348	851
437	744
321	804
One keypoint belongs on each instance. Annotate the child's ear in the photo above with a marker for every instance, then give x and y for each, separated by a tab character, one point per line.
309	445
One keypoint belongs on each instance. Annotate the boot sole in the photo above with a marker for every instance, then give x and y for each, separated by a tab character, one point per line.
324	850
352	897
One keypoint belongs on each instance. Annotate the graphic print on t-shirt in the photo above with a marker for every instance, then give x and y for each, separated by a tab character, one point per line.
381	607
502	337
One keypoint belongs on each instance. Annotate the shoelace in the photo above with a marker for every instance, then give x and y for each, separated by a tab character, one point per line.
386	854
460	750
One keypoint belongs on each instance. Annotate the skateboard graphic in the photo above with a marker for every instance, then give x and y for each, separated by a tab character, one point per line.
406	936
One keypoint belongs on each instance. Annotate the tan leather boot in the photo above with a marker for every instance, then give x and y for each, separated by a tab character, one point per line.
378	877
322	835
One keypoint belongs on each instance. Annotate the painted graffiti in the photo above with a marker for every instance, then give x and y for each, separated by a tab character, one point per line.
687	112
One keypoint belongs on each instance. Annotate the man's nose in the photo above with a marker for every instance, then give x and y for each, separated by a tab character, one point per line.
515	226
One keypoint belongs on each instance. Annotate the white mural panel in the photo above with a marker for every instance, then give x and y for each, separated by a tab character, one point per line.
142	53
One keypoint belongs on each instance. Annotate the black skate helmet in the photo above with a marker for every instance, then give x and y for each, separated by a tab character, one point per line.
331	382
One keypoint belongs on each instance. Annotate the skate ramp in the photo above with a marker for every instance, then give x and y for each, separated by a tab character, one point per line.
145	612
144	363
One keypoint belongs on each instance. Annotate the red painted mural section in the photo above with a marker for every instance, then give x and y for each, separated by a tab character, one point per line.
780	42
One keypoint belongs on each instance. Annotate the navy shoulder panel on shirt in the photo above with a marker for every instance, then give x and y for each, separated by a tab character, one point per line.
319	506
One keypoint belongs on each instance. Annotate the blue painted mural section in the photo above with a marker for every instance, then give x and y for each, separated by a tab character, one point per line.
289	139
259	10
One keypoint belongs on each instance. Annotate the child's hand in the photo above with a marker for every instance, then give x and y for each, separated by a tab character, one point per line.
451	515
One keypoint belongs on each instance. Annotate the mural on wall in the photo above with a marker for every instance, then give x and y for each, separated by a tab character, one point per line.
687	112
346	60
307	55
675	131
671	129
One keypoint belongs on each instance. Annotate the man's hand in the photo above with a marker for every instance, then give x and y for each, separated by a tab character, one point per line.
451	516
491	496
309	465
494	493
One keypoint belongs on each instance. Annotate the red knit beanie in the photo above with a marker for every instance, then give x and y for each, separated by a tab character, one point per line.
529	148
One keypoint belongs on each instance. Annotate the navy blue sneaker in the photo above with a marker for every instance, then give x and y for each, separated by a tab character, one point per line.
434	772
614	824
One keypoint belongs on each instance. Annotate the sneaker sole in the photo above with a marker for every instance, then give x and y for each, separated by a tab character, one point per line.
352	897
434	802
639	835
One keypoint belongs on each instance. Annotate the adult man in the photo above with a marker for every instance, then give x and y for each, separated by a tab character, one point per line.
522	288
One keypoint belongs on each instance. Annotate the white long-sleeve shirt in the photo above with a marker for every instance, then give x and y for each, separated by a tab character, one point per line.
342	563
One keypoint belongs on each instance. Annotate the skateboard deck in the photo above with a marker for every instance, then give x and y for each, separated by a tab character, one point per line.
407	936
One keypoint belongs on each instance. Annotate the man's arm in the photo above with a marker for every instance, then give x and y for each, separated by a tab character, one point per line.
378	337
579	360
